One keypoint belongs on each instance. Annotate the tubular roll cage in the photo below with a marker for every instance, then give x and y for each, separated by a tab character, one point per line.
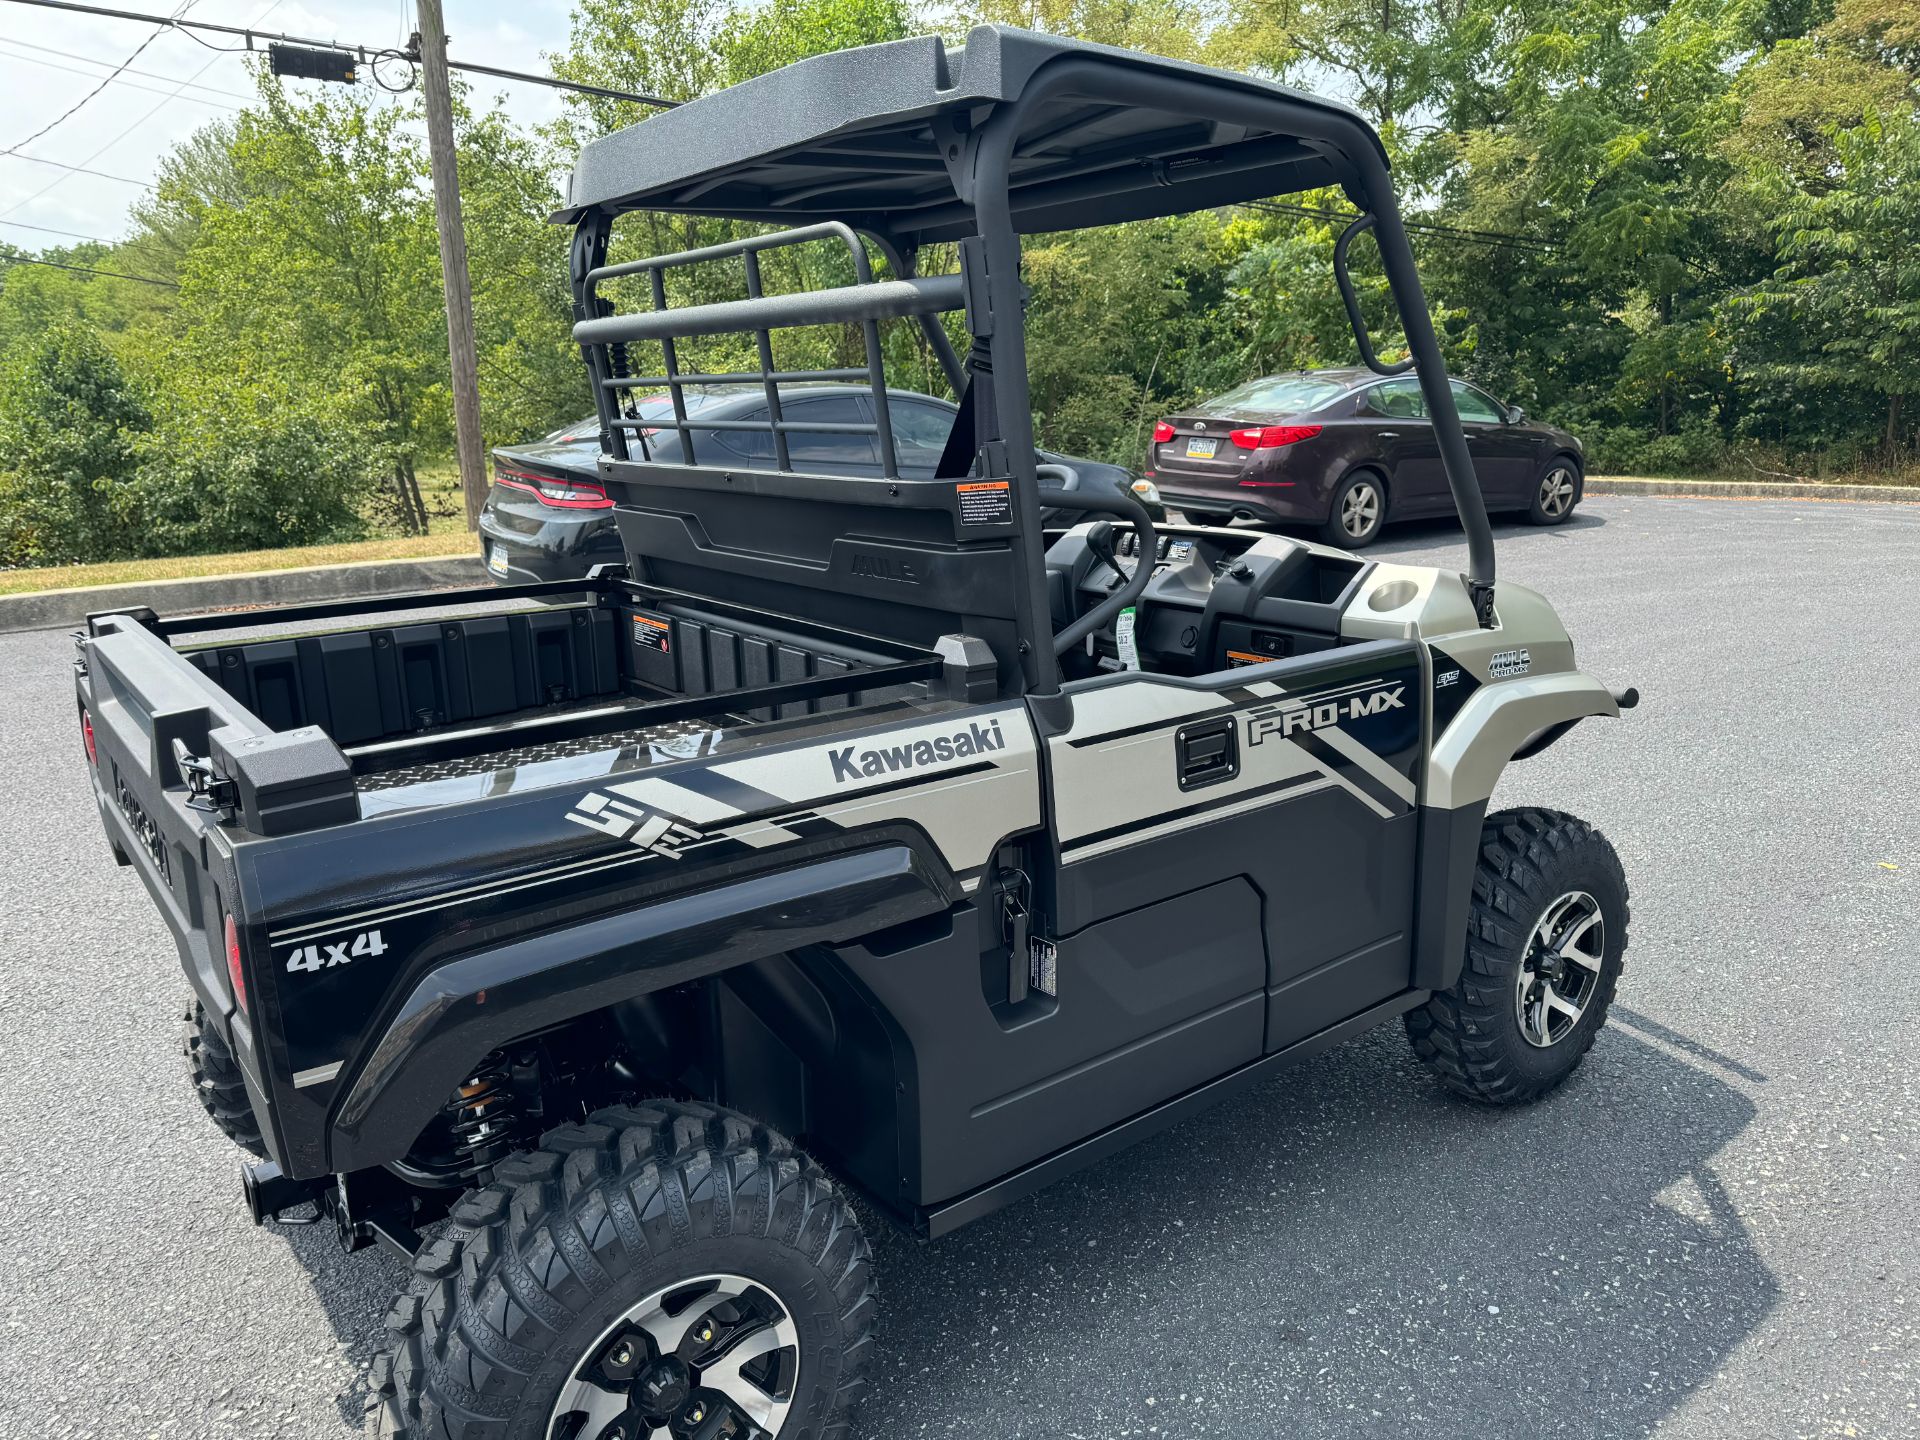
606	336
989	210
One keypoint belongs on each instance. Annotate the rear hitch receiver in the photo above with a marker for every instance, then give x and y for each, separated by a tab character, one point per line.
368	1208
270	1194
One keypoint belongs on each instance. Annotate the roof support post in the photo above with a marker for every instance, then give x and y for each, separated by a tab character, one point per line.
1396	255
1006	339
1329	130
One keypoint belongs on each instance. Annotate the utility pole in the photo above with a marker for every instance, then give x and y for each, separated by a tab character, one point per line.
430	44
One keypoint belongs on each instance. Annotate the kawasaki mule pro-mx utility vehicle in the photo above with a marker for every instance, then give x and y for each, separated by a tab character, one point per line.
850	828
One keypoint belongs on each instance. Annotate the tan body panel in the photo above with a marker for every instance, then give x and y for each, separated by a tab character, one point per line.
1465	763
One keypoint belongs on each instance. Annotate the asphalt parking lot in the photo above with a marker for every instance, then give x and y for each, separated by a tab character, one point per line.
1711	1232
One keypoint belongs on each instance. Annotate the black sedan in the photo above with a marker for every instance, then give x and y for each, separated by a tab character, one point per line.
1347	451
548	517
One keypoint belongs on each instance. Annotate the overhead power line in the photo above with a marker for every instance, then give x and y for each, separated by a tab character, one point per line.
19	44
151	112
161	21
86	270
82	170
52	230
120	78
250	35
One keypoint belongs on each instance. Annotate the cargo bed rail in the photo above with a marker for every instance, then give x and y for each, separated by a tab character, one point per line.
325	708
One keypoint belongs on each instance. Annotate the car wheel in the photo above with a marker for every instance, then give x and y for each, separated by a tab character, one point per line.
1359	510
1556	493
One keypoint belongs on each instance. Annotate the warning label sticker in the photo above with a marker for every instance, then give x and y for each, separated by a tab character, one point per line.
652	633
1237	658
985	502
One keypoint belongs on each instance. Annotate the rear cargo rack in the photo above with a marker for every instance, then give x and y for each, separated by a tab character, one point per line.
604	336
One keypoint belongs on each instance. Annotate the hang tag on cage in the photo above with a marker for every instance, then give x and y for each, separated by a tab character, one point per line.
1123	638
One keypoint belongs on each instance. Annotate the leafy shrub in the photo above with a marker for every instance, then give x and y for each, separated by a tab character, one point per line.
245	468
97	471
71	423
1695	448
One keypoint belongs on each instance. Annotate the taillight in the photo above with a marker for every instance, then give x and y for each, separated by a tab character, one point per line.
1269	437
86	734
1162	432
234	973
552	490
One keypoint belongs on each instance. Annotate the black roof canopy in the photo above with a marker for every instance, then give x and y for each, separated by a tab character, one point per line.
877	137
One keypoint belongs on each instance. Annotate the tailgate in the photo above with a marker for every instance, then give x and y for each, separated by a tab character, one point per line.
141	697
149	707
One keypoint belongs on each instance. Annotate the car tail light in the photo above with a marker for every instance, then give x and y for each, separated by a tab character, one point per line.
1162	432
234	972
554	491
1270	437
86	734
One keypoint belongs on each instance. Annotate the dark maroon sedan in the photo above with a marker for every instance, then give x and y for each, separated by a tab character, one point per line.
1346	450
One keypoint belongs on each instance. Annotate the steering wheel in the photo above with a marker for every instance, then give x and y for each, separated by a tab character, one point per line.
1066	495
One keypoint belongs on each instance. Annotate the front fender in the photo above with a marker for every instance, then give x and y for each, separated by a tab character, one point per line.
463	1010
1492	727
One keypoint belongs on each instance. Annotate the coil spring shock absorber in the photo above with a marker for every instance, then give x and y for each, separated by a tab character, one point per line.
488	1116
481	1117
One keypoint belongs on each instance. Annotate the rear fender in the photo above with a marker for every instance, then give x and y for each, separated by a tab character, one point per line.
463	1010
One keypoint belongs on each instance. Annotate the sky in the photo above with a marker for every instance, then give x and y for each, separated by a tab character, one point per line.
50	58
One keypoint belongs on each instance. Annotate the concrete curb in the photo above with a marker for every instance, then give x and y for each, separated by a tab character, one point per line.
46	609
1749	489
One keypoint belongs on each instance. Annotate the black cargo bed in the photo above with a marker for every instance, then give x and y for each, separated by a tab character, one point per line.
604	666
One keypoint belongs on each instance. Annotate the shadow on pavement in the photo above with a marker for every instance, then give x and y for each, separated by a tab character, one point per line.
356	1292
1349	1252
1346	1252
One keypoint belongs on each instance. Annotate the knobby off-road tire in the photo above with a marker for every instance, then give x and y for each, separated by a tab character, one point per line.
217	1081
1475	1037
533	1278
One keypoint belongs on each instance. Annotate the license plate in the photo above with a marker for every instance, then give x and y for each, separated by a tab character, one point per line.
497	561
1198	449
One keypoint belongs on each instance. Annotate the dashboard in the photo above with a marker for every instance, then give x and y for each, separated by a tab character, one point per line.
1216	599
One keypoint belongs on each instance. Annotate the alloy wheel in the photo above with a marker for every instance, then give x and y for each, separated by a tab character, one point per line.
1561	969
717	1356
1360	510
1556	492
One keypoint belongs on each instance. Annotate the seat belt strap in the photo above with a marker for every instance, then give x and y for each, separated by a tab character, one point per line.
963	440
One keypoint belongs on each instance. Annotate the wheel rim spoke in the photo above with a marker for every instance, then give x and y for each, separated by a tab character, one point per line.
1569	946
665	1388
1362	505
1561	969
669	1332
1553	1000
598	1404
726	1374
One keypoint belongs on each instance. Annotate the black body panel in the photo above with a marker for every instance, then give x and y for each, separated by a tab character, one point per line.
466	1007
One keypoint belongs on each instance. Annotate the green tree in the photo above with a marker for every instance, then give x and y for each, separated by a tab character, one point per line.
249	462
1850	267
754	40
70	426
329	271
